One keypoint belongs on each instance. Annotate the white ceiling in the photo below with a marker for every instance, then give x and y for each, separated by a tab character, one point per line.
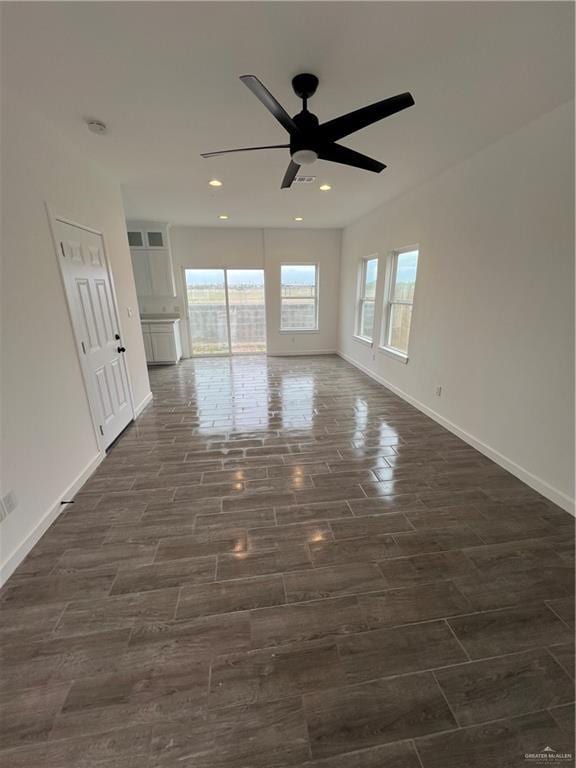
164	77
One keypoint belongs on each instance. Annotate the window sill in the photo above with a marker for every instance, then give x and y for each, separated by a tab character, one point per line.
298	330
362	340
394	354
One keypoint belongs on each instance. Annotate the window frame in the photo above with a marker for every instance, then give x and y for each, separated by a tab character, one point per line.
389	302
361	296
316	266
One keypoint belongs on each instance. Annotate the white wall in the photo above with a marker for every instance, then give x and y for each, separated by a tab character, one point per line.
47	435
493	315
265	249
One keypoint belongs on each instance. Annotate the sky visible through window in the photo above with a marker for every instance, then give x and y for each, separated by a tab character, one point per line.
298	275
407	266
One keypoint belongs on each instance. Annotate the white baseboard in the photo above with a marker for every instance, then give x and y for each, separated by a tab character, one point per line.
306	352
535	482
13	561
139	408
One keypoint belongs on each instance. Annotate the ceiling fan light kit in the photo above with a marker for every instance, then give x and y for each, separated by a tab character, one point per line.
310	140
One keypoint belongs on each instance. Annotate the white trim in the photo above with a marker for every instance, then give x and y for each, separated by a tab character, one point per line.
537	483
140	407
306	352
363	340
395	354
24	548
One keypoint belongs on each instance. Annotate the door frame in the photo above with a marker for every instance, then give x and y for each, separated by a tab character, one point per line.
230	353
86	373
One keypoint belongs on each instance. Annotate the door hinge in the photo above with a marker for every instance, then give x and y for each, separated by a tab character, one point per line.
101	430
83	347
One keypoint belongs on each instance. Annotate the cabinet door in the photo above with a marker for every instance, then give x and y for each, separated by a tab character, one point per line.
161	273
148	349
164	347
141	269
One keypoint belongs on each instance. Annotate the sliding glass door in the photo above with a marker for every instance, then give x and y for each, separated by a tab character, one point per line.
207	316
226	311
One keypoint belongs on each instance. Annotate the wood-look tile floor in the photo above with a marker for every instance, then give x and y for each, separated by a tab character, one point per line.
283	564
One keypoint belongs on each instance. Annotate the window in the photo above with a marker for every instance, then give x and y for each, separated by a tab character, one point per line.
368	277
299	297
155	239
400	298
135	239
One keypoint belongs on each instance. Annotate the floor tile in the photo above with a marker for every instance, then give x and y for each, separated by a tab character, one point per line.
259	735
564	655
375	713
400	755
199	639
274	674
505	687
360	550
173	573
27	716
332	581
501	744
423	569
305	621
370	526
228	596
409	604
242	564
492	633
396	651
84	616
312	513
120	748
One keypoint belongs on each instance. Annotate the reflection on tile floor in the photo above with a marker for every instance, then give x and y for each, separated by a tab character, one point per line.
283	564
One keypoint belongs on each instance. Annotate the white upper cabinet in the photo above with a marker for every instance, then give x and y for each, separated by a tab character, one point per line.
151	259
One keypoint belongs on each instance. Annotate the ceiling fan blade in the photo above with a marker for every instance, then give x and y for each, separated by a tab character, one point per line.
271	104
360	118
243	149
338	154
290	175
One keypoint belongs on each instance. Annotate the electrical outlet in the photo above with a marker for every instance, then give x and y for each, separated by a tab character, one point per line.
9	503
129	311
438	391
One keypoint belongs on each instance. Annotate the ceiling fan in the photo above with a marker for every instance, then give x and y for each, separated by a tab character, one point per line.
310	140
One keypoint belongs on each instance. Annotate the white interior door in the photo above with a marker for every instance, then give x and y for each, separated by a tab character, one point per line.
96	328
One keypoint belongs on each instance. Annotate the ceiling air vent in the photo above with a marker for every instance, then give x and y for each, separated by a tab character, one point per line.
304	180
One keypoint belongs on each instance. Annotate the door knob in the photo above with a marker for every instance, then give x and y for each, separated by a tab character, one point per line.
121	349
117	336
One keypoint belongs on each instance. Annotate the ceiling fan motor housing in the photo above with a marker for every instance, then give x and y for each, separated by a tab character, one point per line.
305	85
304	148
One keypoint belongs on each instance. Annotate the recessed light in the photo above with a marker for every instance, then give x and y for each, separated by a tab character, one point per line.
215	183
298	218
325	187
223	216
